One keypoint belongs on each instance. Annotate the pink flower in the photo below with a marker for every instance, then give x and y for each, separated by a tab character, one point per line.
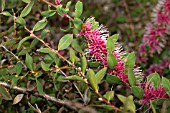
57	2
162	18
167	6
96	40
151	93
64	15
165	63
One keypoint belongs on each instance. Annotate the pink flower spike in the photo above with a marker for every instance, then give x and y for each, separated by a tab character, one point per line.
167	6
151	93
57	2
162	18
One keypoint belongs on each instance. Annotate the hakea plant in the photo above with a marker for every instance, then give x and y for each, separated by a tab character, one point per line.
96	38
155	36
48	73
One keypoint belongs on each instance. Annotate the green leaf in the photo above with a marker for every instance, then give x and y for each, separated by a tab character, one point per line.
72	56
83	64
76	46
40	25
138	92
18	98
14	81
111	60
94	64
65	41
44	50
109	95
152	106
113	79
3	4
60	10
48	13
27	9
103	106
68	6
78	9
122	98
18	68
92	79
155	78
20	20
75	77
45	66
4	93
78	23
100	75
130	62
131	77
110	44
26	1
6	13
22	41
39	87
29	62
128	103
166	85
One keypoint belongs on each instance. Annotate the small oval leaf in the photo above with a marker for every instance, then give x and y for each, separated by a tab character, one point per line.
78	9
65	41
27	9
22	41
18	68
39	87
75	77
166	85
29	61
138	92
48	13
111	60
44	66
40	25
18	98
20	20
100	74
110	44
130	62
92	79
6	13
83	64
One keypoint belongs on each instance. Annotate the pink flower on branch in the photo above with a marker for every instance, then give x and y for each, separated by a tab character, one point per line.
57	2
96	40
151	93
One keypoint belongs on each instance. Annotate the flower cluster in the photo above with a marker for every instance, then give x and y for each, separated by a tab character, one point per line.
165	63
151	93
58	2
155	35
96	39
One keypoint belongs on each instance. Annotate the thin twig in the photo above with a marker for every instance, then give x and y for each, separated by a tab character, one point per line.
13	55
74	85
72	105
78	70
55	51
104	100
55	6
